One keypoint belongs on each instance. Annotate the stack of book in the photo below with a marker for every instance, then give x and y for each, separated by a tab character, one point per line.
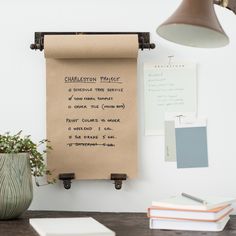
182	213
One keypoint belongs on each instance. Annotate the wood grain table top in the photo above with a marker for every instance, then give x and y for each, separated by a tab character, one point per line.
124	224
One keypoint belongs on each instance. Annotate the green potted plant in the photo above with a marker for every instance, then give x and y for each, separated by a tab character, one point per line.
20	159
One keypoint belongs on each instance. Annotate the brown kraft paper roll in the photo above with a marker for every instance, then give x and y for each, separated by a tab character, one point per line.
91	104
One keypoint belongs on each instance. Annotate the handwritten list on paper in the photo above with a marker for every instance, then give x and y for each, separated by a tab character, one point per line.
91	104
87	129
92	117
168	88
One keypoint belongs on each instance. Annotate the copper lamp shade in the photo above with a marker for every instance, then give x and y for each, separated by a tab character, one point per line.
194	24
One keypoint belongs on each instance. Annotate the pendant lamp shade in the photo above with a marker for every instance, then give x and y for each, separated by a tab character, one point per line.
194	24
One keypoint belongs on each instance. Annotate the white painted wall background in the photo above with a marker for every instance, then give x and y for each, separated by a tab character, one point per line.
22	98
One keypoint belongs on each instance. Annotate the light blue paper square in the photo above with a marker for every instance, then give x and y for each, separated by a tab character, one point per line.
191	147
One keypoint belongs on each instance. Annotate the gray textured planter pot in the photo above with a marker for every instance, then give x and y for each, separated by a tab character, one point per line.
16	190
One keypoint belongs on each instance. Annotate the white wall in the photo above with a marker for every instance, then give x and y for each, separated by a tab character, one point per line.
22	98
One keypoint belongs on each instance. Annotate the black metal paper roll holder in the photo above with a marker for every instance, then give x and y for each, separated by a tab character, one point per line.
143	38
144	43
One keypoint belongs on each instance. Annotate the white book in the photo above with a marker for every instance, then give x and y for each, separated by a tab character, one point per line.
208	215
188	225
70	227
180	202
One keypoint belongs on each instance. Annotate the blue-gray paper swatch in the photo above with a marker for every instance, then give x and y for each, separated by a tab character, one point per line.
191	147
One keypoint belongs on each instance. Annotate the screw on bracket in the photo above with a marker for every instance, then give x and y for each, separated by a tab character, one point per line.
118	178
67	178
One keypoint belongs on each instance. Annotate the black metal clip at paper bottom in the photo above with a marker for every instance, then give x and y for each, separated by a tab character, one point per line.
67	178
118	178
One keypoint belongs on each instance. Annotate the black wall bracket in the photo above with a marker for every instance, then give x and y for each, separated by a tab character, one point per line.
67	178
143	38
118	178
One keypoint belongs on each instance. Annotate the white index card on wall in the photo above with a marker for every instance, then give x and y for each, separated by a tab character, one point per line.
168	88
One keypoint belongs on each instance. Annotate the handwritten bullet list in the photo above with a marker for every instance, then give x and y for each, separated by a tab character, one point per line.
94	105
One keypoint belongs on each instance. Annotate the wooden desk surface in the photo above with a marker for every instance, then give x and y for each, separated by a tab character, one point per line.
124	224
